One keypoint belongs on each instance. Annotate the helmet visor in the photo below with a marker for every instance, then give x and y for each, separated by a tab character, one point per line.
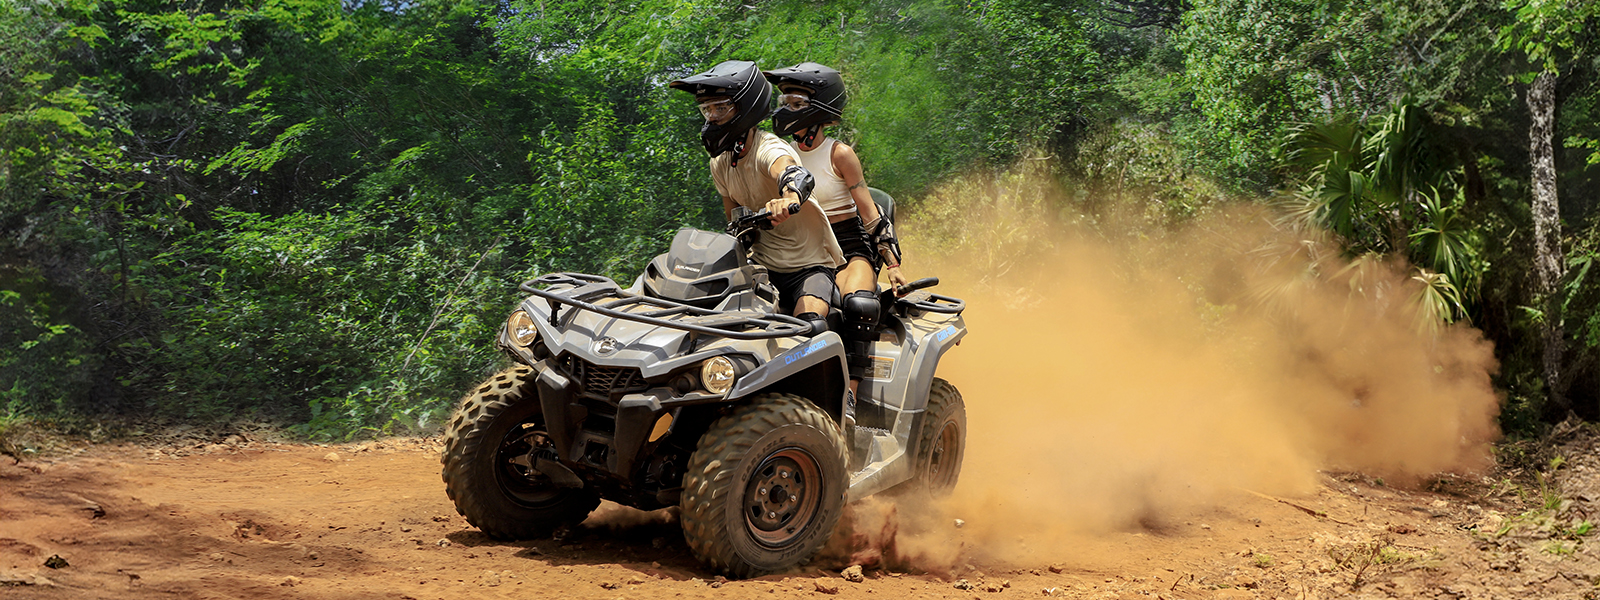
793	101
716	110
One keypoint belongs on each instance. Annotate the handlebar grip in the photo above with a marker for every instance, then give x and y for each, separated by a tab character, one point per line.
794	209
925	282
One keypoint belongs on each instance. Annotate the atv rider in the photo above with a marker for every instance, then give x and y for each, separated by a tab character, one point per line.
757	170
813	97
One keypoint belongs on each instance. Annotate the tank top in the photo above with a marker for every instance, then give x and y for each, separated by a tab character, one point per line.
831	192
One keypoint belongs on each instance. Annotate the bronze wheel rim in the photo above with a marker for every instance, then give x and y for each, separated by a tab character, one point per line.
942	463
782	497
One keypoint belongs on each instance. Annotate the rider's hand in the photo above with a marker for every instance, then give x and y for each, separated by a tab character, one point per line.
779	208
896	278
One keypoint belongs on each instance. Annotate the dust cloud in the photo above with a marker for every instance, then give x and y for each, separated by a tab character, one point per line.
1121	375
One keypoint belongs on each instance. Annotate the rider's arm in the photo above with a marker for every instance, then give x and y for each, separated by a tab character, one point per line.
848	165
728	204
779	207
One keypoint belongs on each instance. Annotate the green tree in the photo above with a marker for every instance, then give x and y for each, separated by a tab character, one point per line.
1549	34
1386	187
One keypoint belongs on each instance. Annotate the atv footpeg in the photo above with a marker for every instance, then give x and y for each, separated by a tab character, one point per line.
869	445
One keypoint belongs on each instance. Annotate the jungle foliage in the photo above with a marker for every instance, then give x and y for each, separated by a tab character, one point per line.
315	211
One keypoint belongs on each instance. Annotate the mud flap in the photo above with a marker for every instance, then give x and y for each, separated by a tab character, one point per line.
561	414
636	416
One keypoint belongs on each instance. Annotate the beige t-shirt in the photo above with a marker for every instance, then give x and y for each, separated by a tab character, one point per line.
805	239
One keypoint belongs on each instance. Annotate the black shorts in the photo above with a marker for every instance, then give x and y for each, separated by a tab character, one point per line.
810	281
854	241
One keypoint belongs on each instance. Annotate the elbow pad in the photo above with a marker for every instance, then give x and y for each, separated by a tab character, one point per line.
797	178
882	231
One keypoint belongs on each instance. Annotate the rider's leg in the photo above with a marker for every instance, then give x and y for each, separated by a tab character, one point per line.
858	276
813	310
860	310
813	294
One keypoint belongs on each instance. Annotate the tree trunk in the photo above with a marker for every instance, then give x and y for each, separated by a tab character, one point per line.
1547	259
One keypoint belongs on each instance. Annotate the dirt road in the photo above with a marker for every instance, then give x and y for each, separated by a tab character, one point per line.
266	520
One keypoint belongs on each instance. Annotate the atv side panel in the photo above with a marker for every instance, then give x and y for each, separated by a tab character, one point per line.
814	369
886	434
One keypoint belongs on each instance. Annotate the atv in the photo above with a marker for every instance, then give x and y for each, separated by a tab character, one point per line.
687	389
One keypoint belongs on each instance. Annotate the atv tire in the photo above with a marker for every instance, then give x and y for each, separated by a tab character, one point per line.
941	443
496	423
765	487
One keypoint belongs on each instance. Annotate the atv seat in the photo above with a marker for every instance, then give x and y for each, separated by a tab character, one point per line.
885	204
884	201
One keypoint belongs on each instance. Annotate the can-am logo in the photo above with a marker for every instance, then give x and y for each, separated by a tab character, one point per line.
605	345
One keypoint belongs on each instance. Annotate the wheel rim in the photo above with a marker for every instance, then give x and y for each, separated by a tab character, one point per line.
942	463
783	496
514	471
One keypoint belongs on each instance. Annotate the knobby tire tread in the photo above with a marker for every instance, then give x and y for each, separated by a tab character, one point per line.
711	470
469	475
943	398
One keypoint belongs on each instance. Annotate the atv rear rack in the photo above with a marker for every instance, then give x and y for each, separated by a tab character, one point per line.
587	288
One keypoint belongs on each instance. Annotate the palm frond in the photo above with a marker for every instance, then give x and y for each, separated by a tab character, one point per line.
1318	146
1403	153
1341	198
1445	242
1437	302
1362	274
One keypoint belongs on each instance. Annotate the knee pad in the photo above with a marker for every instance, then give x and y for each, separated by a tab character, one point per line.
861	312
818	323
859	330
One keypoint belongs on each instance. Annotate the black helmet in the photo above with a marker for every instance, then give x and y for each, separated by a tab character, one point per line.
825	105
741	81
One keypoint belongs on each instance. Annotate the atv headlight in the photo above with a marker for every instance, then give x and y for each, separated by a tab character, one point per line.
521	328
717	374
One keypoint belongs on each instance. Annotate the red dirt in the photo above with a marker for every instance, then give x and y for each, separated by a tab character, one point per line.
264	520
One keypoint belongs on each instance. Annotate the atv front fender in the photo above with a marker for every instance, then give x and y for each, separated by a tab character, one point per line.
814	369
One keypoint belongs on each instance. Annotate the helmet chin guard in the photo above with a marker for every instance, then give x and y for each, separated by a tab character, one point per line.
740	81
826	103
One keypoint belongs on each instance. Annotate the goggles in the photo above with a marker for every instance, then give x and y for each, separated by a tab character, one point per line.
717	110
794	101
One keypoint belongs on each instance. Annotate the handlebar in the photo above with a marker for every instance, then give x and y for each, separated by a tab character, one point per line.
902	297
761	219
925	282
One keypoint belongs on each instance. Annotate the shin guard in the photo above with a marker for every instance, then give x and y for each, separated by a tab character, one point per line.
860	329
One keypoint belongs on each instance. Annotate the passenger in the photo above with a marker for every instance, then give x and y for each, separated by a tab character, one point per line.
757	170
813	97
